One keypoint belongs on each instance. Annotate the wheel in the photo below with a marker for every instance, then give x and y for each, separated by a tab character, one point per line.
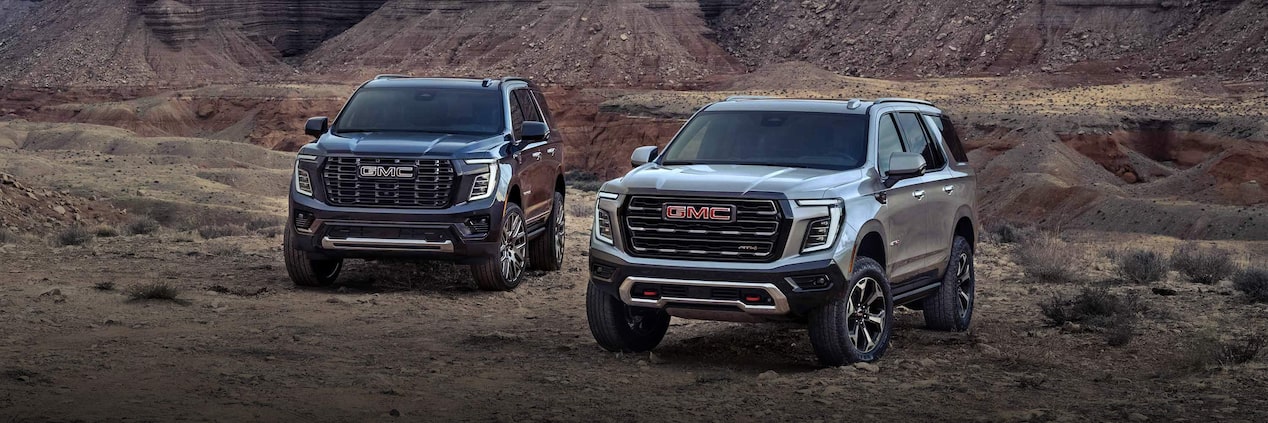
856	325
620	328
504	272
547	251
951	308
305	271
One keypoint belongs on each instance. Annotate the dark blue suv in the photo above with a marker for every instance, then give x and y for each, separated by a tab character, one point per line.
465	170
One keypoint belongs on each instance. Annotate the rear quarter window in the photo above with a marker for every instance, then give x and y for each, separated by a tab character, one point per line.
952	138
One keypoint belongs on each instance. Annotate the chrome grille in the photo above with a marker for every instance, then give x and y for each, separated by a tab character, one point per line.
754	236
430	187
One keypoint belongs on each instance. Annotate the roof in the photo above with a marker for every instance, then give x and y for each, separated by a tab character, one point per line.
763	104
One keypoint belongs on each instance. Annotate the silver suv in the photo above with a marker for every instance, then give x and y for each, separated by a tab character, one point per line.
825	212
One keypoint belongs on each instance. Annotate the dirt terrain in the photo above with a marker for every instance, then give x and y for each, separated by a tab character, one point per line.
418	341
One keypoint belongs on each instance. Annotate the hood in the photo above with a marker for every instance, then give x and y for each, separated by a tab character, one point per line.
738	179
409	144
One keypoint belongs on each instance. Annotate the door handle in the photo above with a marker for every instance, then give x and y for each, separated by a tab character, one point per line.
537	155
949	189
551	151
920	194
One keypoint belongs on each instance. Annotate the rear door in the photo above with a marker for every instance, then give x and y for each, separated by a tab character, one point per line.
554	157
929	236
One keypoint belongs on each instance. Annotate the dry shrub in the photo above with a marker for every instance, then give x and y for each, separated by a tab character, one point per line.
104	286
583	181
1254	283
105	231
1207	351
1203	265
268	222
154	291
581	210
1097	308
1141	266
74	235
1047	258
7	237
1008	233
142	225
220	231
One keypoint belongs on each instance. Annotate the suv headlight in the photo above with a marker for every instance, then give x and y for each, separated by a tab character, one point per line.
822	232
303	180
603	219
485	184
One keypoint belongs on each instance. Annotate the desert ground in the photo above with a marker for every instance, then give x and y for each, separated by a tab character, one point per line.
416	341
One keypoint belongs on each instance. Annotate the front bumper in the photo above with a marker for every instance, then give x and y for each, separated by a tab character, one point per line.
715	291
345	232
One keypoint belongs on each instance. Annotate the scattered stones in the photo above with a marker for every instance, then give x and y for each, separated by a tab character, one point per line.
768	375
867	367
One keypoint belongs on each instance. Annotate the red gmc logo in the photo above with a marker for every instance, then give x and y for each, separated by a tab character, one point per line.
714	213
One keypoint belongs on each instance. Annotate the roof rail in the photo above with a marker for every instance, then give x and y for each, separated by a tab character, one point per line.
901	100
391	76
516	78
748	97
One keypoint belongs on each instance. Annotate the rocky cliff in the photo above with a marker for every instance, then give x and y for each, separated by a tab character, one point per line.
912	38
291	27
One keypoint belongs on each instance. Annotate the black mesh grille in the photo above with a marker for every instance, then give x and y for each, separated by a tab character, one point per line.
431	185
754	236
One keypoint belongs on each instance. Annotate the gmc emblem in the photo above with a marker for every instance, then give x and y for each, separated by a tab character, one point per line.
712	213
400	172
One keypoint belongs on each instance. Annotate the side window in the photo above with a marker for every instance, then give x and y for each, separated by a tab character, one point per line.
517	117
887	142
919	140
528	106
952	138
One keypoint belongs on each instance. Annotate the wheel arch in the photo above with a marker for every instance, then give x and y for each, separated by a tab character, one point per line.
871	244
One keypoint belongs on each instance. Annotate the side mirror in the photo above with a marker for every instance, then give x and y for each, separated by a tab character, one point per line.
317	126
904	166
534	131
642	155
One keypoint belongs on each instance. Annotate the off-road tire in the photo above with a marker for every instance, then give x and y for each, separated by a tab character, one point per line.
620	328
951	308
490	275
547	251
832	324
303	270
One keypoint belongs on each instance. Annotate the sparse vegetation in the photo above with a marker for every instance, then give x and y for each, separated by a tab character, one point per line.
1098	309
1007	233
104	286
1254	283
1141	266
1046	258
1203	265
259	223
74	235
1209	351
226	250
581	210
582	180
105	231
7	237
142	225
220	231
154	291
1095	306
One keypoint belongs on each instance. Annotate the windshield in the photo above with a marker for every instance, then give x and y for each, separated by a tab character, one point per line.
793	139
439	110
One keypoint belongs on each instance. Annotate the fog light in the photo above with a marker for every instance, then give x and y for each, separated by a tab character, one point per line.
303	220
810	283
602	272
478	225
